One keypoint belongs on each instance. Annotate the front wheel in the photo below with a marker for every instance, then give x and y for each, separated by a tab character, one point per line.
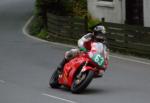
53	82
82	81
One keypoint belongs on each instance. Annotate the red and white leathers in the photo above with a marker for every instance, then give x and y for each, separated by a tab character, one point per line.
84	42
87	43
100	48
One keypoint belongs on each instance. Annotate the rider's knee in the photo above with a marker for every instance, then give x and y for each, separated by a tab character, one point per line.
71	53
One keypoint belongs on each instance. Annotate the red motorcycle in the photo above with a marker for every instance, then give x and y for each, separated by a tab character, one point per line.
78	72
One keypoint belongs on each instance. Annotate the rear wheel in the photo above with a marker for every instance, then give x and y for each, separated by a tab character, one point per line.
53	82
81	81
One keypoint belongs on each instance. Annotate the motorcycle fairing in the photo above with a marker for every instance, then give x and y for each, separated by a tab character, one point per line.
70	70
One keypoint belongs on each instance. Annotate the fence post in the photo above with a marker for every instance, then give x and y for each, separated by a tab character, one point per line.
103	20
86	24
125	38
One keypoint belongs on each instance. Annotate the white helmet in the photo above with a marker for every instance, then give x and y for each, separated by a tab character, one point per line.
100	29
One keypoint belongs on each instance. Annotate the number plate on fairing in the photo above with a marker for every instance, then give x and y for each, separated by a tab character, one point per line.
97	58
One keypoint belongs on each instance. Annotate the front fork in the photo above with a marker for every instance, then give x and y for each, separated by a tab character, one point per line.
86	68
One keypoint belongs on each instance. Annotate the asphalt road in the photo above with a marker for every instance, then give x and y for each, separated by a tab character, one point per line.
26	65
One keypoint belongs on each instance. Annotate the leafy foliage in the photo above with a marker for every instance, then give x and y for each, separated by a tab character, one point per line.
56	7
92	22
43	34
36	25
79	8
39	7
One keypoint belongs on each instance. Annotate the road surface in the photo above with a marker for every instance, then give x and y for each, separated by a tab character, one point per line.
26	65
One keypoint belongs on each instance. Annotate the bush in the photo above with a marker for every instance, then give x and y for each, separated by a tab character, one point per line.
43	34
80	8
39	7
92	22
39	21
36	25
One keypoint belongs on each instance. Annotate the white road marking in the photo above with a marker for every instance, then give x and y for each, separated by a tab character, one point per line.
71	46
58	98
2	81
132	60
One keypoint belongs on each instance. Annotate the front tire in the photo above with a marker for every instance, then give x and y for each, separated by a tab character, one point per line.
53	82
79	87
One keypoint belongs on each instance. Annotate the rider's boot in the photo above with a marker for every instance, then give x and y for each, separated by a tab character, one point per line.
61	65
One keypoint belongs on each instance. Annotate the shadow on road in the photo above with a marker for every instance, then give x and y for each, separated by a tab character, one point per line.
90	91
87	91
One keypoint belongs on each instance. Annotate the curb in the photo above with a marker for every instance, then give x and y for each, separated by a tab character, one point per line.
25	32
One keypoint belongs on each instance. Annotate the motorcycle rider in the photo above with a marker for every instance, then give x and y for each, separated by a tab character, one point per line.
84	44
